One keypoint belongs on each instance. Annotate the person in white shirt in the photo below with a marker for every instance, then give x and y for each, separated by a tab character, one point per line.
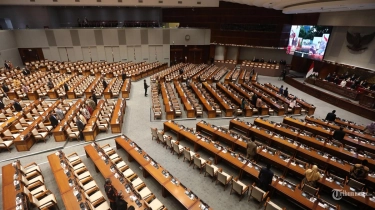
293	103
343	83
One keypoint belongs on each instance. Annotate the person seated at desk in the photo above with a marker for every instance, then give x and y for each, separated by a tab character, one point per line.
7	101
25	71
343	83
25	88
54	121
251	149
123	75
286	93
262	60
265	178
2	106
336	80
50	84
5	87
17	106
253	99
372	87
359	172
91	103
269	61
66	87
331	116
85	113
370	128
259	103
328	77
16	82
352	78
59	113
338	134
363	83
293	103
311	176
281	89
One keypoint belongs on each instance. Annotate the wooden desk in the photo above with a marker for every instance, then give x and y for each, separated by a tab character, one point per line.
169	111
107	92
8	189
206	106
228	109
118	116
91	130
125	89
59	132
88	91
237	100
66	192
190	111
177	191
105	170
71	92
332	87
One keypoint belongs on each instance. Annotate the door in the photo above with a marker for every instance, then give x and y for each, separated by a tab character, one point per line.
89	54
47	54
156	53
71	54
135	53
31	54
112	54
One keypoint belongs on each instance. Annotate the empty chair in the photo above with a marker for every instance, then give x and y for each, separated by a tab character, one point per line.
45	128
355	184
47	200
239	187
188	155
154	134
269	205
223	178
39	136
95	195
10	134
72	134
211	170
258	194
177	148
199	162
102	127
144	192
153	203
6	144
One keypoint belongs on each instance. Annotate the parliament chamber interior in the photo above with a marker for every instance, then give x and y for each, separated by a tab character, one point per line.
208	104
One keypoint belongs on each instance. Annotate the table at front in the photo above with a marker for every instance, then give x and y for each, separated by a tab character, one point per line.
66	192
8	188
167	186
105	170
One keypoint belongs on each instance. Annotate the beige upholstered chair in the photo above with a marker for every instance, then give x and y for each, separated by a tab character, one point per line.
94	196
177	148
144	192
6	144
258	194
153	203
102	127
211	170
199	162
154	134
239	187
223	178
269	205
46	201
72	134
39	136
188	155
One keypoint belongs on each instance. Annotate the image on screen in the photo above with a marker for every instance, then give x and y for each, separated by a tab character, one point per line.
308	41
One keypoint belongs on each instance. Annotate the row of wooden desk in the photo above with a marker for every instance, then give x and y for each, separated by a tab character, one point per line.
62	180
237	100
253	170
168	187
228	109
71	92
125	89
238	161
118	115
273	90
190	111
354	138
206	106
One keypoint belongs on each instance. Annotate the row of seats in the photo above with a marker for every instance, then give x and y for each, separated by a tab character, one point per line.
167	71
191	99
208	98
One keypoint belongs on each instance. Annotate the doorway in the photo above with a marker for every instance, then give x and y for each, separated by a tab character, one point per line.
31	54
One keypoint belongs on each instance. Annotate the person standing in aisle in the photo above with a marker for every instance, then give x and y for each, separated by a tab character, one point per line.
145	86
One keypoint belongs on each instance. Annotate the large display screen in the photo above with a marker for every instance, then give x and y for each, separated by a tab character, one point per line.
308	41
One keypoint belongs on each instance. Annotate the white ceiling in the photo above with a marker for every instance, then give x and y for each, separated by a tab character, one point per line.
310	6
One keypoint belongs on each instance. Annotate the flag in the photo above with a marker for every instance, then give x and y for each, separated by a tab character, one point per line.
311	70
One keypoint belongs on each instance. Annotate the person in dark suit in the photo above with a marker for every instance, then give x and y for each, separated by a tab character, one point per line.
121	204
123	75
5	87
145	85
66	87
104	84
331	116
254	99
17	106
339	134
265	178
286	93
80	126
25	71
6	65
281	90
93	97
262	60
111	193
50	84
1	103
53	119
